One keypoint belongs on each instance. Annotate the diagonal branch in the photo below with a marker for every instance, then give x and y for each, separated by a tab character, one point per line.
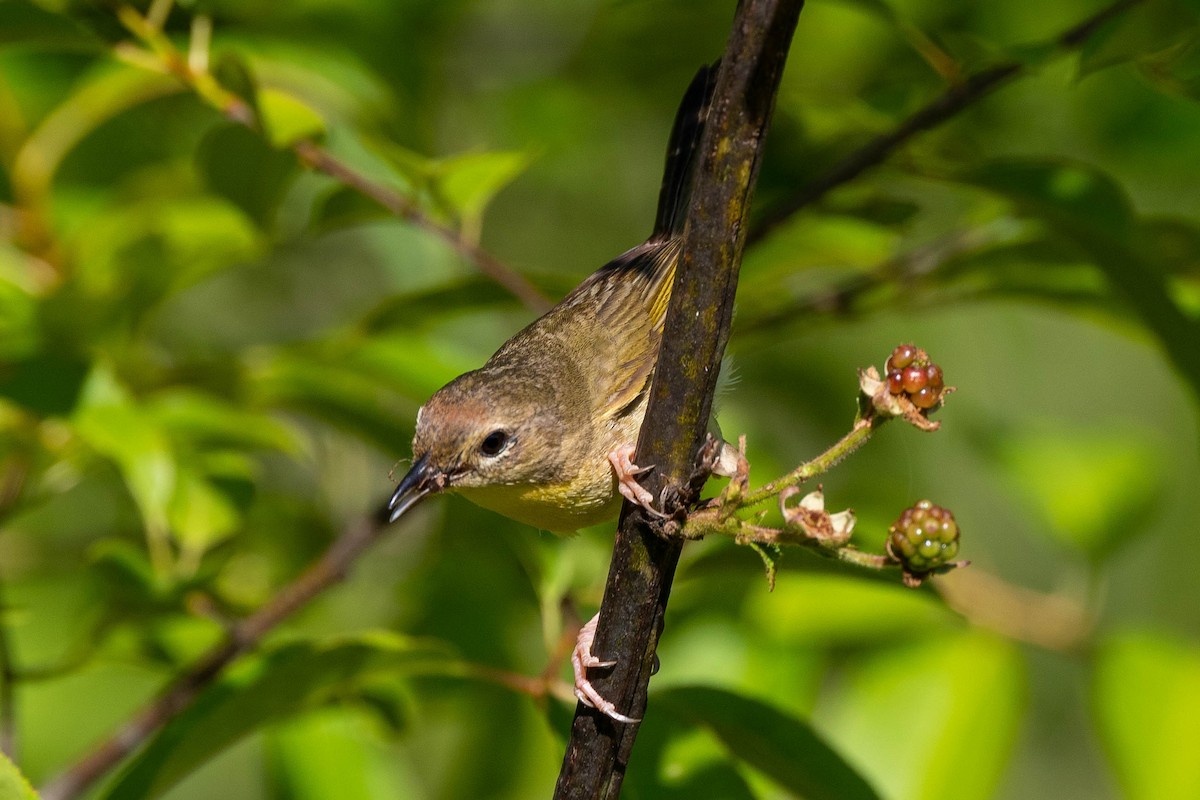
697	328
192	71
945	106
242	637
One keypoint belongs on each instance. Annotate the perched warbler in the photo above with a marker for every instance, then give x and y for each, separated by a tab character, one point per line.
544	431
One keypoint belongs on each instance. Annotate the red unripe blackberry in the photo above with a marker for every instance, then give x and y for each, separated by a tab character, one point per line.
913	378
933	377
927	397
901	357
895	382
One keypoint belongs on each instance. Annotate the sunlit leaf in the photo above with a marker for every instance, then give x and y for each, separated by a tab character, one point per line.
934	721
812	609
114	426
200	516
287	118
105	92
13	785
467	183
785	748
1147	699
332	753
279	684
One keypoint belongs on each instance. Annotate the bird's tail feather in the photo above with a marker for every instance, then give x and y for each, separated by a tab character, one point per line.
682	151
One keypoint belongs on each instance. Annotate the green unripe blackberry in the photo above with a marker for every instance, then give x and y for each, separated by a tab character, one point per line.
924	538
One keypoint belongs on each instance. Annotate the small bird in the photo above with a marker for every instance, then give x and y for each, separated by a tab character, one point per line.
544	432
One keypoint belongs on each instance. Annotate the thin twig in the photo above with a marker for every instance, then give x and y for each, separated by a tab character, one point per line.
953	100
245	635
170	60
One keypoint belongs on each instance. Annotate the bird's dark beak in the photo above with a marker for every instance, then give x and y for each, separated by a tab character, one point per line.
419	483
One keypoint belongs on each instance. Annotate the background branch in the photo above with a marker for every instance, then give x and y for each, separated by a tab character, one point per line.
697	328
192	72
949	103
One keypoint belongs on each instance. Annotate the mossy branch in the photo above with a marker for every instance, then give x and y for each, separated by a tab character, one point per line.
694	337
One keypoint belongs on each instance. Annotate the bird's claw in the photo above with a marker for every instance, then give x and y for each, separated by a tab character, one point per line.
627	472
581	660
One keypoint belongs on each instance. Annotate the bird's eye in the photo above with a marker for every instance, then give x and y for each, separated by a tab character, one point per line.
493	443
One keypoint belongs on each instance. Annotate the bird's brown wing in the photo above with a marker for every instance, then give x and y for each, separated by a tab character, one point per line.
627	303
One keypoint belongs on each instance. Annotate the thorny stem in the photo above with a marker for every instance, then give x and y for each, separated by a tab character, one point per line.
864	426
188	70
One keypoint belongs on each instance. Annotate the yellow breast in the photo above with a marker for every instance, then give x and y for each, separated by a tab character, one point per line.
560	508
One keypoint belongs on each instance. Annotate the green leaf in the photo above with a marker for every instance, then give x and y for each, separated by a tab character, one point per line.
935	721
1144	30
332	753
343	207
237	164
234	74
338	394
784	748
468	183
47	383
24	23
210	422
1177	69
200	515
13	785
271	687
1092	212
287	119
1085	198
1094	488
116	427
820	609
1146	694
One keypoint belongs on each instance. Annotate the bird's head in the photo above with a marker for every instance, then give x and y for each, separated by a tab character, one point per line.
485	428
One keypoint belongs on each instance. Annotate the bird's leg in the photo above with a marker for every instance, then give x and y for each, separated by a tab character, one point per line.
581	660
627	472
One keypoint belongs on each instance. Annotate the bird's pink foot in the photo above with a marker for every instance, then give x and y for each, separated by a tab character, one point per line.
581	660
627	472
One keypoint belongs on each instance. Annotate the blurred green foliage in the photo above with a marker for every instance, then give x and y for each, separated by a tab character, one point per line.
211	357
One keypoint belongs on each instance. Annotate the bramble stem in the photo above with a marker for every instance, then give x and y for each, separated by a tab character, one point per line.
864	426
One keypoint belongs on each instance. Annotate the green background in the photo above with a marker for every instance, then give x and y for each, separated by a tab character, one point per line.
211	359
